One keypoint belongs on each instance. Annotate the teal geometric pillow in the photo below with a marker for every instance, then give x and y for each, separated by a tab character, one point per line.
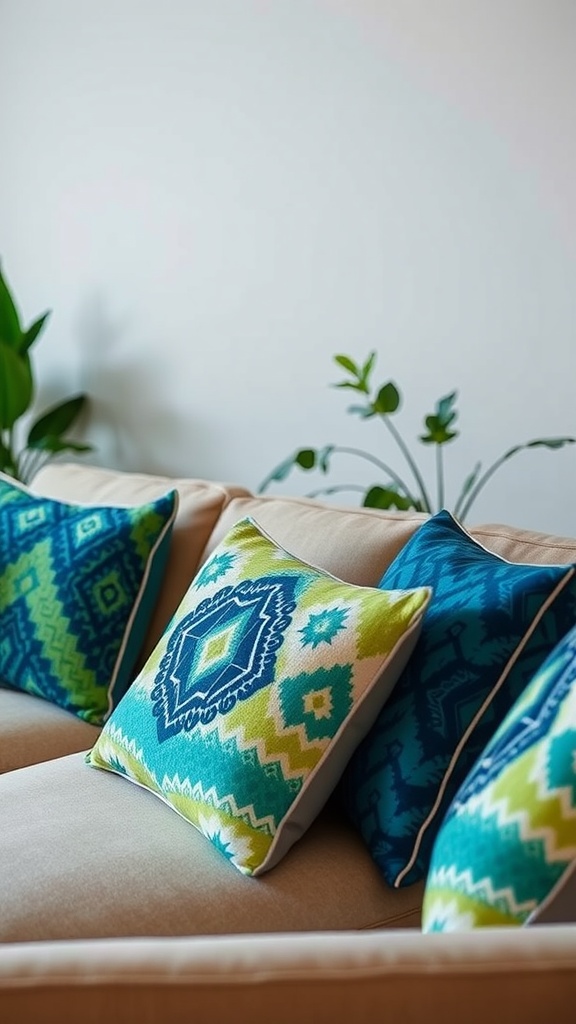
77	588
267	677
509	837
489	626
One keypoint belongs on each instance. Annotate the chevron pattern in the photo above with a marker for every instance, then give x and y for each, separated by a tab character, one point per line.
489	626
510	834
244	716
77	585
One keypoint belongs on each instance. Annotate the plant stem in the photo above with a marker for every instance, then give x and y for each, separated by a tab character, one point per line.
335	489
440	476
407	455
381	465
475	491
30	461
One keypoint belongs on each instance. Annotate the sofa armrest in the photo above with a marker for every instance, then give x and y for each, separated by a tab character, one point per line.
526	974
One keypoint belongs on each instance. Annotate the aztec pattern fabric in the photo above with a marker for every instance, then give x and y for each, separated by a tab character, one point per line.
269	674
509	838
77	587
489	626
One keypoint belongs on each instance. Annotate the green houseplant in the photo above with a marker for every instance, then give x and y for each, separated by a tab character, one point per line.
406	489
47	435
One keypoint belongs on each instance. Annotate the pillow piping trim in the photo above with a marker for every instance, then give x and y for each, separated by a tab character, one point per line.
414	625
136	605
571	570
551	895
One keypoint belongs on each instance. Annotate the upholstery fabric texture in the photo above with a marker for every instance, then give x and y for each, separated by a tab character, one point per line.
33	729
93	857
77	588
508	841
247	712
355	544
488	627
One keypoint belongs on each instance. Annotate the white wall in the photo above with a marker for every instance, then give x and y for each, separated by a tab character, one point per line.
215	196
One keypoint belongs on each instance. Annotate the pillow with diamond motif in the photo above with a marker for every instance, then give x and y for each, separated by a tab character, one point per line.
267	677
77	588
489	625
507	846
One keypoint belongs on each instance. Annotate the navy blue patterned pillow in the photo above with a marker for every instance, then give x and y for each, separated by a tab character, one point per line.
489	626
77	587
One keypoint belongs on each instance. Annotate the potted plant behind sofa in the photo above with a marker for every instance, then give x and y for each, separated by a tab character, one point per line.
397	491
47	435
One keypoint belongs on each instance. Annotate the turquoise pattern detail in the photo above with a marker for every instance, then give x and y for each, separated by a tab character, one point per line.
489	626
509	836
77	588
322	628
215	569
240	721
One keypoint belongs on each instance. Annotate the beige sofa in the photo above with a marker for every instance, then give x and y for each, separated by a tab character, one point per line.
114	908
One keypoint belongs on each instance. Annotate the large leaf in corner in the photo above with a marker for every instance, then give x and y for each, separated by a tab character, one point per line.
16	385
10	330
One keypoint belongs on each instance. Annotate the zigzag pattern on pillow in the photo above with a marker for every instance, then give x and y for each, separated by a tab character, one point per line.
510	834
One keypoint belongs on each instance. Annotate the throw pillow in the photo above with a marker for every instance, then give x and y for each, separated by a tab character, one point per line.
77	587
490	624
508	842
269	674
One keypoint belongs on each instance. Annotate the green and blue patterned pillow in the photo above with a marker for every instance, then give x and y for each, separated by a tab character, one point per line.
489	625
509	838
268	675
77	588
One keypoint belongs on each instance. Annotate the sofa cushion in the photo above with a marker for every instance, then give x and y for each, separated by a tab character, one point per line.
33	729
200	503
77	587
87	856
355	544
516	544
508	843
488	627
248	710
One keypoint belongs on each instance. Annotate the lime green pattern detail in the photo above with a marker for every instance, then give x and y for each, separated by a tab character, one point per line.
249	708
77	587
510	836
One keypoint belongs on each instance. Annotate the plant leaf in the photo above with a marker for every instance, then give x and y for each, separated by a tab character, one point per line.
387	497
347	364
387	400
306	458
366	370
437	432
10	330
53	444
438	423
549	442
553	443
7	461
445	410
323	456
30	335
55	421
350	384
365	411
16	385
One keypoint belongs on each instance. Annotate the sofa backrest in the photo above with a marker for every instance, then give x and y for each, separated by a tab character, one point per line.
520	545
355	544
